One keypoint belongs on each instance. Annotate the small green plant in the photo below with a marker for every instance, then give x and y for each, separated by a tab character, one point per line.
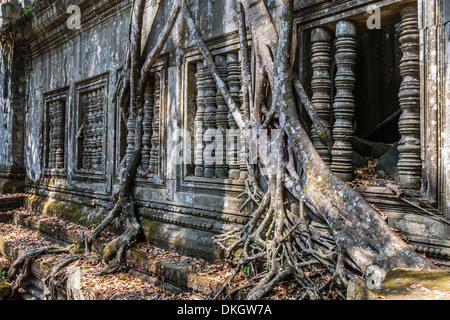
28	9
247	270
3	274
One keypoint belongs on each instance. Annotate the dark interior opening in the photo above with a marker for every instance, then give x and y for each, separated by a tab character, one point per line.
377	86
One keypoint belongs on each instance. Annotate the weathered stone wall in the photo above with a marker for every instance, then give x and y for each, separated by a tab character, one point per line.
446	129
445	153
176	213
12	88
70	74
5	112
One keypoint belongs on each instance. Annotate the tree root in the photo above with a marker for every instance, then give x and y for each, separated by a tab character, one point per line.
20	269
52	283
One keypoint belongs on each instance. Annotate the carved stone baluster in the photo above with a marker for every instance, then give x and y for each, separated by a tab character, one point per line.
147	126
199	116
51	135
222	119
410	163
101	117
88	132
243	148
59	134
234	84
209	121
97	129
321	84
130	139
85	151
93	126
344	102
154	153
92	113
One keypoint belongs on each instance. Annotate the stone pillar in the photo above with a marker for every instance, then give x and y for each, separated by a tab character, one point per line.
99	100
321	84
199	115
444	192
410	163
88	132
154	153
51	136
59	134
344	102
209	120
221	120
234	84
147	126
130	139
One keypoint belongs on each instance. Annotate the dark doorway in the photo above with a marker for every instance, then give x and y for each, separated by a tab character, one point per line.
377	87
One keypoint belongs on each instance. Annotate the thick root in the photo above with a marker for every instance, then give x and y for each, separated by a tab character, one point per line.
20	269
114	251
52	282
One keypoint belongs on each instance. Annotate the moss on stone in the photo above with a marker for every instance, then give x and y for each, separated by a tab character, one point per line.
61	209
10	186
404	284
150	227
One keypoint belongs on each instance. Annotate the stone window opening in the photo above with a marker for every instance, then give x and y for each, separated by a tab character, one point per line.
90	134
366	85
151	167
218	146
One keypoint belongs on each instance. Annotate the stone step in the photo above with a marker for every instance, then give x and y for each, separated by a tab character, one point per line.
152	265
15	240
8	203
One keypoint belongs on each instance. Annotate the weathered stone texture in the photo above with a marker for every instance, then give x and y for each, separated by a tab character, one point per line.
58	93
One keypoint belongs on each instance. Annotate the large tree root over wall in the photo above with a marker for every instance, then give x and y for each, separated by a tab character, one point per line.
277	243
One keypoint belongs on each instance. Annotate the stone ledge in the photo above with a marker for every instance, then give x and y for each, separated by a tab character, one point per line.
81	215
185	231
11	202
171	273
11	185
33	287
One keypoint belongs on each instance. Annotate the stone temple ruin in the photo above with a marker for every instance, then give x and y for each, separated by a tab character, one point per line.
64	142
